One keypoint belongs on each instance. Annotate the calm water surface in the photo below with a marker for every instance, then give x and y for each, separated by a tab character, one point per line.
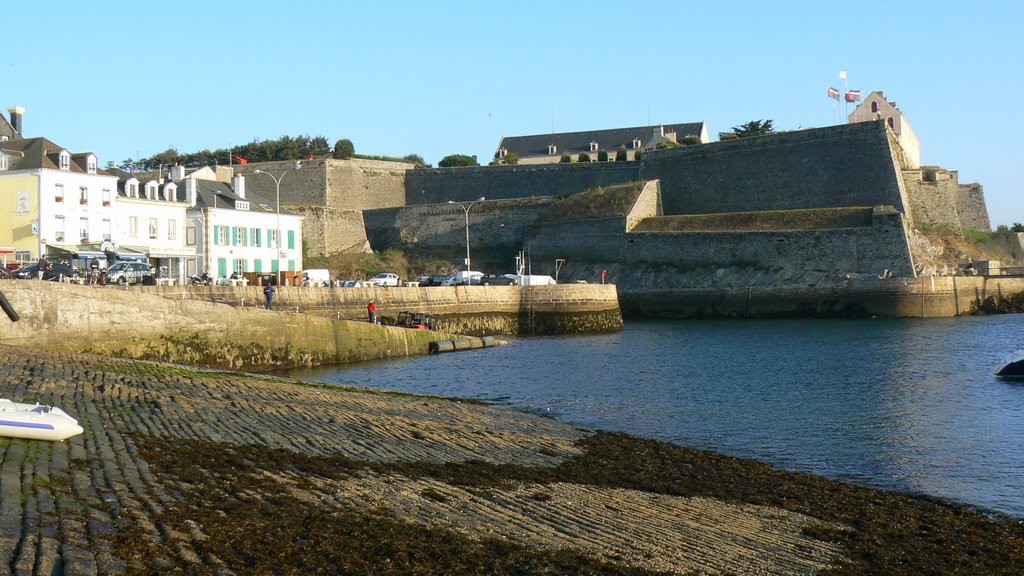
910	405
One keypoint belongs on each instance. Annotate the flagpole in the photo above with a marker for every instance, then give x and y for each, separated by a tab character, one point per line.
846	90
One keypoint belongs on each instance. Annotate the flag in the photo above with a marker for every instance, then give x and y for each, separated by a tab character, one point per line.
842	74
311	157
833	93
244	161
853	96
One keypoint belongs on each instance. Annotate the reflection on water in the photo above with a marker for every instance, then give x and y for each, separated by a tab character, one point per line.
903	404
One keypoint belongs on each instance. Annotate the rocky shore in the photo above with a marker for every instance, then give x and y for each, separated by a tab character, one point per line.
189	471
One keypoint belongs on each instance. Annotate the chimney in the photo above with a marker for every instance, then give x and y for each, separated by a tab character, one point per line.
191	189
177	173
16	114
238	183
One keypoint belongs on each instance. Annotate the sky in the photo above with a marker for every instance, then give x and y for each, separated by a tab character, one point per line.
130	79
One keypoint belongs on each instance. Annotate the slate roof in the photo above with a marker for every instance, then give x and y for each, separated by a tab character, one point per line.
40	153
211	193
6	129
573	143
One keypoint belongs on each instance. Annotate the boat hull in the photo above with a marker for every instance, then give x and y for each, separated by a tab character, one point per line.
36	422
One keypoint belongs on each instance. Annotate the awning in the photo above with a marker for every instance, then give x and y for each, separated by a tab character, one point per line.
80	252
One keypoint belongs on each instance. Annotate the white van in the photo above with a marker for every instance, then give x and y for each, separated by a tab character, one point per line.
316	277
466	277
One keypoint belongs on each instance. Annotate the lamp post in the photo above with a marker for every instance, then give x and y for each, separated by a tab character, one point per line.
277	185
466	208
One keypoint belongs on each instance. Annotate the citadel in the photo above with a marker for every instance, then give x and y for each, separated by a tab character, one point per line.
706	228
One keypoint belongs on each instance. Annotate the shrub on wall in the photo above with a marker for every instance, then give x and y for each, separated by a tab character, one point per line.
621	155
511	158
565	159
343	149
583	157
454	160
602	156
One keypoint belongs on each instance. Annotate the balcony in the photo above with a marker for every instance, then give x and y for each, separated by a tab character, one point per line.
59	238
58	198
106	202
83	201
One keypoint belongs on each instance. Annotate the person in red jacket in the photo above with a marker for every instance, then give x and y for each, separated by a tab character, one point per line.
371	310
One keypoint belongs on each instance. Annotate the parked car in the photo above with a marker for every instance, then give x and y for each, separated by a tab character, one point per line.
130	273
56	271
465	277
385	279
316	277
495	280
434	280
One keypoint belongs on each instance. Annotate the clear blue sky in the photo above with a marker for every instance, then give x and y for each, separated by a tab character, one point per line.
129	79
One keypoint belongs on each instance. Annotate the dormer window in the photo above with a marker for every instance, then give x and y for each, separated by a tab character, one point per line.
502	153
593	146
151	191
65	160
133	189
636	143
90	165
552	149
241	205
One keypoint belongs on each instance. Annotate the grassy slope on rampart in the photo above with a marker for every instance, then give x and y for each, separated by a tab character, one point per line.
811	219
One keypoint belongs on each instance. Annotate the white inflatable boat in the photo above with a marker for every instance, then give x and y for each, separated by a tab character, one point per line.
36	421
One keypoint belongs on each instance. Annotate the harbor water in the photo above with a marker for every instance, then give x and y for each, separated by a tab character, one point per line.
907	405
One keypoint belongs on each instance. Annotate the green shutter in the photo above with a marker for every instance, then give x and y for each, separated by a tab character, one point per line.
222	267
291	239
258	265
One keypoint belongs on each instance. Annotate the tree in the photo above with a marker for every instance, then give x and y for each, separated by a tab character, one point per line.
511	158
666	144
583	157
456	160
565	159
689	140
344	149
621	155
748	130
1017	227
415	159
602	156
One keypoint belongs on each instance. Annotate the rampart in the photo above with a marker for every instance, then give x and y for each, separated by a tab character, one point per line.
848	165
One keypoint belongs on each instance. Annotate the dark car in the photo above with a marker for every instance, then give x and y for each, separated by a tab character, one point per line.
434	280
496	280
55	271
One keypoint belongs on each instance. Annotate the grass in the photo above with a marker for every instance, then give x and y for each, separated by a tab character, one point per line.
595	203
246	518
781	220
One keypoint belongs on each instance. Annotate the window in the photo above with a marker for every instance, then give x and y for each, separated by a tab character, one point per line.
58	228
502	153
172	229
552	149
83	195
65	161
220	235
107	229
152	228
239	236
133	226
891	123
58	192
133	190
90	165
636	143
106	196
240	266
3	162
190	236
151	191
256	237
593	146
291	239
874	107
83	226
241	205
272	239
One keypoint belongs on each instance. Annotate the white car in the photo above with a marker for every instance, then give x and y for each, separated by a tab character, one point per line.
385	279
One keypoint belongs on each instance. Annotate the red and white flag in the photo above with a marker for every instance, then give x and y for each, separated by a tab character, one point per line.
842	74
853	96
833	93
244	161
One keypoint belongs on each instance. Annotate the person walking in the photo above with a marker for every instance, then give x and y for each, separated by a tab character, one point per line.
371	311
43	268
268	291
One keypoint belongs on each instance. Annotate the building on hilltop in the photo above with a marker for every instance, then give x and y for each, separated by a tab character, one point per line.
549	148
876	107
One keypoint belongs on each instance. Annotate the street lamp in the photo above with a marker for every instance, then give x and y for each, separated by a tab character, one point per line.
465	209
277	185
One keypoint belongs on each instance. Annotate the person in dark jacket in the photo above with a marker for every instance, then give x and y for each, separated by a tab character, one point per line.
268	291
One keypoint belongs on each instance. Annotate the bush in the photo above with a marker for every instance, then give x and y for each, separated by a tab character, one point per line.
621	155
456	160
602	156
343	149
566	159
583	157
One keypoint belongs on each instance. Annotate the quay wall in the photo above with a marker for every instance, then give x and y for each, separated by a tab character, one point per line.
921	297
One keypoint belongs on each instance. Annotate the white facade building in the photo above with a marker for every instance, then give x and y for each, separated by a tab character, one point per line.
151	220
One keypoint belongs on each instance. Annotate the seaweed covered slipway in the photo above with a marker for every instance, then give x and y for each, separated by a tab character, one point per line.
190	471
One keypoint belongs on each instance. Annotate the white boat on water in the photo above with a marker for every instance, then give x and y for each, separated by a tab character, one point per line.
1012	366
36	421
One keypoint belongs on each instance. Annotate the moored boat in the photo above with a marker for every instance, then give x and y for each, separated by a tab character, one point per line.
1012	366
36	421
